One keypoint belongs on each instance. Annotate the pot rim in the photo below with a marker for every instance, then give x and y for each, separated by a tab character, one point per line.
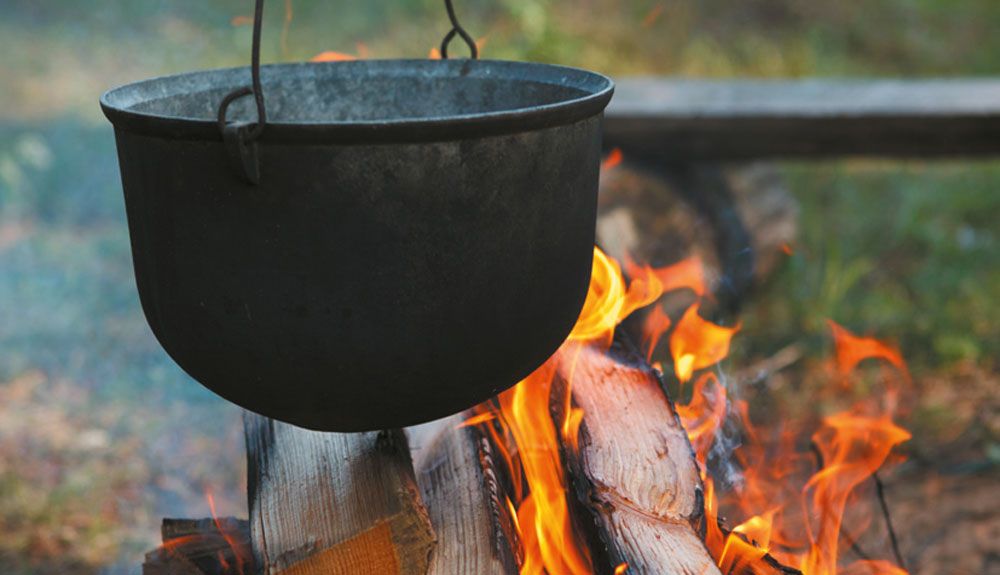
596	89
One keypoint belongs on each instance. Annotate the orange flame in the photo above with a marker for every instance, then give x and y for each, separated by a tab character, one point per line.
704	415
609	301
696	343
238	550
853	448
613	159
550	543
531	437
477	419
685	274
331	56
656	324
799	526
852	350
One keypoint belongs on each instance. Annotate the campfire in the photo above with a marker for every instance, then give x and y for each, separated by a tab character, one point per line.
586	466
629	450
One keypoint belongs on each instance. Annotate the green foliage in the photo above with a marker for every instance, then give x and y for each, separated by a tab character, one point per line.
908	252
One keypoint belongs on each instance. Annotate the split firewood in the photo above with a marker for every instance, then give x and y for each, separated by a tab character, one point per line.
461	487
634	469
333	503
201	547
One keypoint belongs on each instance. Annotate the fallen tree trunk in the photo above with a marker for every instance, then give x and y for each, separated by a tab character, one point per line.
462	490
332	503
634	469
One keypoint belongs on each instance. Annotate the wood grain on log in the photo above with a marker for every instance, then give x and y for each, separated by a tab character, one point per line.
634	469
333	503
459	482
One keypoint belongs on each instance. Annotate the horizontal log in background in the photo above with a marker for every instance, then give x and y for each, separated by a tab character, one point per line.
680	120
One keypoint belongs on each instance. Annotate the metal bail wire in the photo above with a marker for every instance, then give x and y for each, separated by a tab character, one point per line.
241	137
457	29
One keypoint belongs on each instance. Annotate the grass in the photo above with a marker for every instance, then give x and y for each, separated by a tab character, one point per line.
908	252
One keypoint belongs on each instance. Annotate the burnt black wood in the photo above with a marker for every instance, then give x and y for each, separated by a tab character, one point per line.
420	239
681	120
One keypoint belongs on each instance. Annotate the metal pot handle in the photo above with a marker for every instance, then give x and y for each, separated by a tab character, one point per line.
241	137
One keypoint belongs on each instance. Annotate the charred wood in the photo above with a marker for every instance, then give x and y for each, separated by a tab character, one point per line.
461	486
201	547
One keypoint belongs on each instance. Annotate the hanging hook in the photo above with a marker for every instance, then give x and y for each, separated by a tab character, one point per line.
456	29
241	137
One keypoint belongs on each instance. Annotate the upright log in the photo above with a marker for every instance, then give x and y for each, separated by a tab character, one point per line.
461	488
333	503
634	469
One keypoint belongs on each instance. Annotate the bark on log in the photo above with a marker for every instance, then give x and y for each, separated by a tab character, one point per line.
332	503
461	488
634	469
201	547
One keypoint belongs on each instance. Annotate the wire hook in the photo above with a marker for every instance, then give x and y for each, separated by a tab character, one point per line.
457	29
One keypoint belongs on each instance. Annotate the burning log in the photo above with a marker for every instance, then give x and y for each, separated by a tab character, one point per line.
461	488
633	468
741	221
331	503
201	547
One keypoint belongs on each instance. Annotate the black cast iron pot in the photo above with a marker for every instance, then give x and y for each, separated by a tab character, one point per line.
420	237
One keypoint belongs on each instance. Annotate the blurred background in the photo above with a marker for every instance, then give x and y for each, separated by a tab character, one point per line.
101	435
